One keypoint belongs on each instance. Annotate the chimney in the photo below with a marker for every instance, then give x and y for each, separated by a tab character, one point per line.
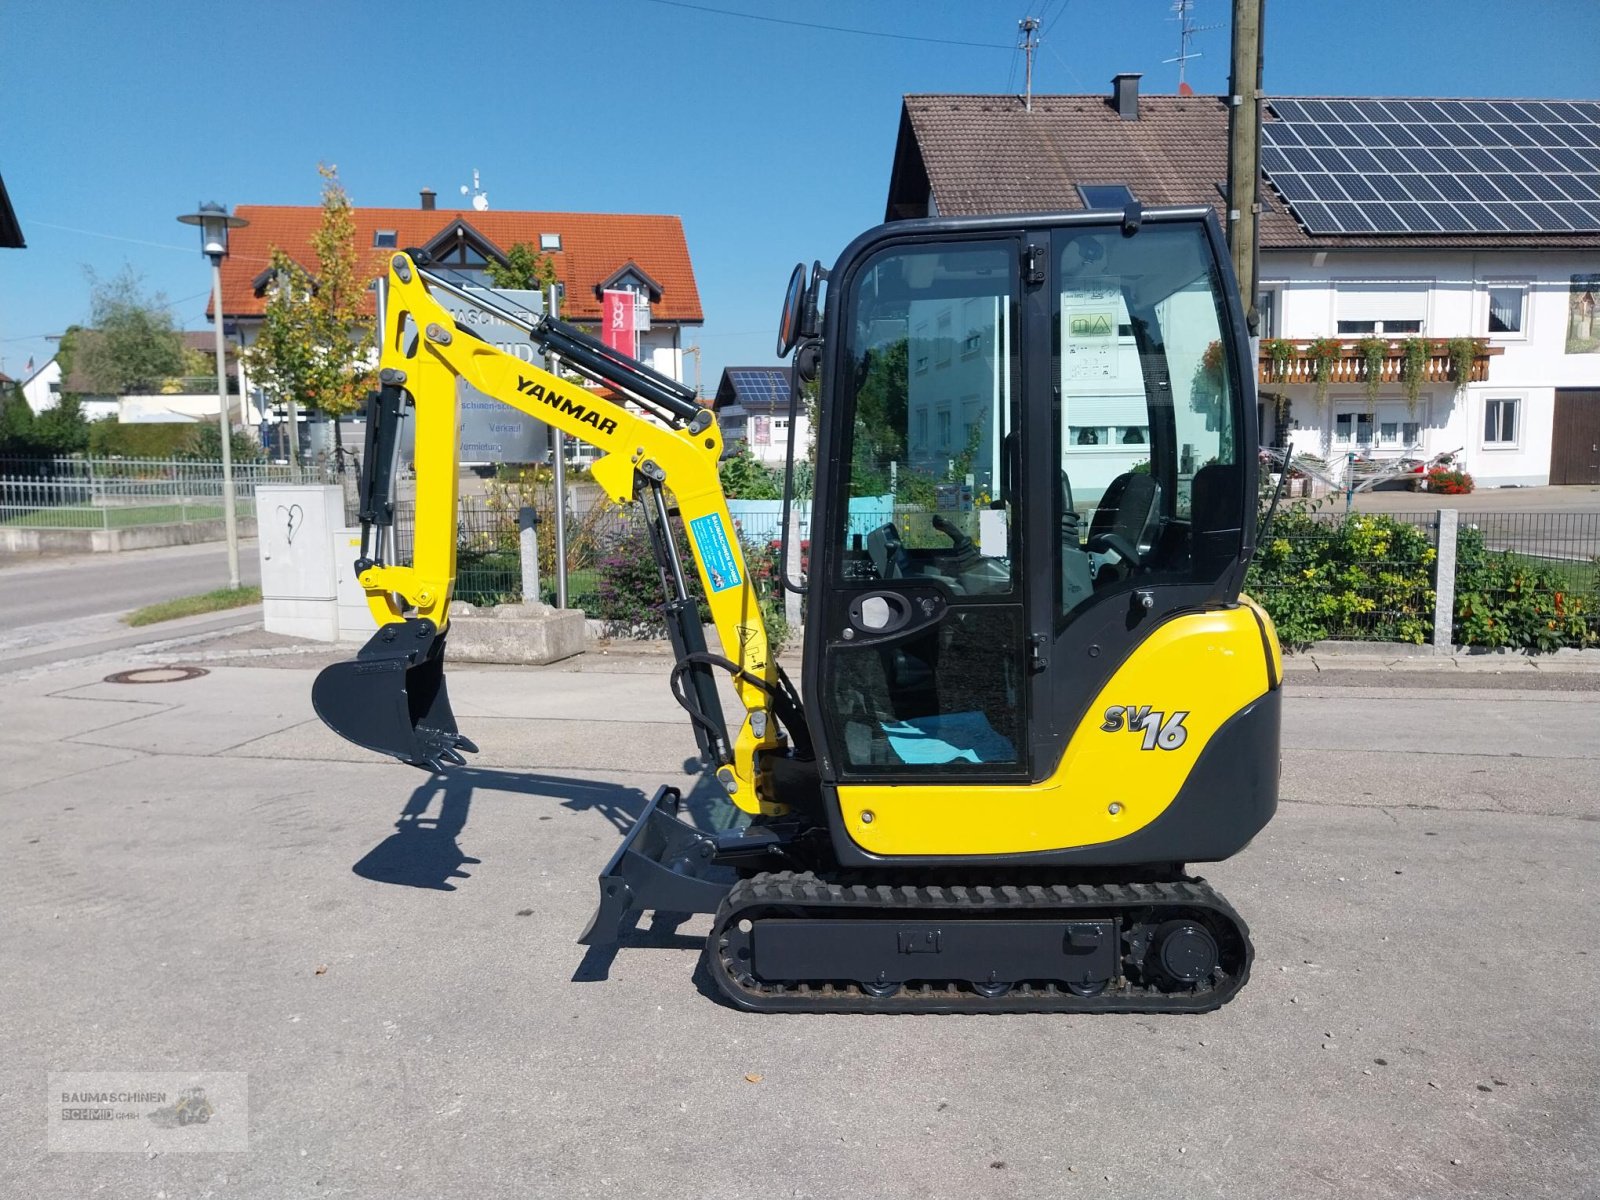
428	194
1125	95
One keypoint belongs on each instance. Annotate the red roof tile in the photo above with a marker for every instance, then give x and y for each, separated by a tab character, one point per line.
593	246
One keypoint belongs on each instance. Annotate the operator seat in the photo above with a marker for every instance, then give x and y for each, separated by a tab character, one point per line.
1127	518
1077	580
1215	513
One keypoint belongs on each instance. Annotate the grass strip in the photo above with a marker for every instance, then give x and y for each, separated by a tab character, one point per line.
190	606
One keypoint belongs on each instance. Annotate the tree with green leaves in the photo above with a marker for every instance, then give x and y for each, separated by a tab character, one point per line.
132	343
744	477
60	429
16	422
316	342
525	268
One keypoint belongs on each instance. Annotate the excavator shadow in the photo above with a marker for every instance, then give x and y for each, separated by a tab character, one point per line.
423	851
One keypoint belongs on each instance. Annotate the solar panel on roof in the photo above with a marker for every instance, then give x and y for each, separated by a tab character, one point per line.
1513	188
1515	217
1424	166
1357	187
1388	187
1541	187
1413	216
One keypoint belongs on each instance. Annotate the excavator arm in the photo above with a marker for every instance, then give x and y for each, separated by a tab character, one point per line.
392	697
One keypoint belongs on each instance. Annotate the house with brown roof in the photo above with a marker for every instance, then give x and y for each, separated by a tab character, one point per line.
647	255
1413	219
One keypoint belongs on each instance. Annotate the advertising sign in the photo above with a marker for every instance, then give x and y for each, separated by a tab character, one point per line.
616	322
492	432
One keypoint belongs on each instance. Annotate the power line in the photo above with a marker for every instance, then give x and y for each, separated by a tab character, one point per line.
111	237
42	337
903	37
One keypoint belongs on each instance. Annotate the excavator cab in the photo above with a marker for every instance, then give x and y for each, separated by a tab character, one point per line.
1034	451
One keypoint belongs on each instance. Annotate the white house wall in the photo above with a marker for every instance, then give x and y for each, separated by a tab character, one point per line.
1530	369
43	390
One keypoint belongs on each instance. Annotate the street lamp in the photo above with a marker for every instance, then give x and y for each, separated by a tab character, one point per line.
214	223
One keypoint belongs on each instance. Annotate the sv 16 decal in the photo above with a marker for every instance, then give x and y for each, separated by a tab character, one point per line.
1160	731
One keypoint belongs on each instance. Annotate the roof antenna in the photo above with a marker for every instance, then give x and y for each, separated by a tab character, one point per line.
1029	27
480	198
1186	31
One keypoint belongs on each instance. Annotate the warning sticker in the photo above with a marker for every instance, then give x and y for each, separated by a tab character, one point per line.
711	544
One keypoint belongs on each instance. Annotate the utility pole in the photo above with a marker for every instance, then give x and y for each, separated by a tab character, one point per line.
559	469
1244	150
695	350
1029	27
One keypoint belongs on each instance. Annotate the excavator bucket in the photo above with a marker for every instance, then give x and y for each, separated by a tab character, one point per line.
392	698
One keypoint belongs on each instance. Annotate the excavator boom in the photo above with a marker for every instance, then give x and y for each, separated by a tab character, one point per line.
392	698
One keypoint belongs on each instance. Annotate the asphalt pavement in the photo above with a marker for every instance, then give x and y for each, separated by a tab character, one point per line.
67	607
198	876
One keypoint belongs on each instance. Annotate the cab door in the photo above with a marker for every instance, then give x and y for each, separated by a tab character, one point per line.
1150	386
918	642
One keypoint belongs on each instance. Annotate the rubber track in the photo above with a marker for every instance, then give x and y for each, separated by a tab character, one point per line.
790	890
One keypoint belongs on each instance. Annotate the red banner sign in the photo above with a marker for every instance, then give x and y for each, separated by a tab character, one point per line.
616	322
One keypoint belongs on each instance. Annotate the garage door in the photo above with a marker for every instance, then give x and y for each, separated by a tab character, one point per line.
1575	444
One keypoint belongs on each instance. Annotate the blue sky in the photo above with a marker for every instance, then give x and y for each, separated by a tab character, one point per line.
771	141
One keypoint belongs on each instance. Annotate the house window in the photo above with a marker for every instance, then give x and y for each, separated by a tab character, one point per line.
1500	422
1507	308
1105	195
1267	313
975	321
1352	429
941	341
385	239
549	241
920	441
919	353
943	416
1391	327
1381	309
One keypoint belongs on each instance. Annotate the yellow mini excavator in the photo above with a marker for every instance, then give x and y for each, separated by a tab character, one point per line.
1031	689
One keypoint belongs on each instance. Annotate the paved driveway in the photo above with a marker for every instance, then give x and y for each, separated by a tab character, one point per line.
196	876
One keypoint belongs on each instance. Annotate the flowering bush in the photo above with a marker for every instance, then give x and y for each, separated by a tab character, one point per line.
1452	481
631	595
1364	576
1372	577
1504	599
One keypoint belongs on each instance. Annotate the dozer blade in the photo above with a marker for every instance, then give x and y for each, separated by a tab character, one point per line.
392	697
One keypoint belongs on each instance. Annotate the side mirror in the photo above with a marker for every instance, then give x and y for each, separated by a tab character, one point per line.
790	320
811	310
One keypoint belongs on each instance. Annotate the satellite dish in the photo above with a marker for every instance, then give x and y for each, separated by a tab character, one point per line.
481	202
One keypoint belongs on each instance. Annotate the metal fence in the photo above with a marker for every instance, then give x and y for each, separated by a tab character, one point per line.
117	493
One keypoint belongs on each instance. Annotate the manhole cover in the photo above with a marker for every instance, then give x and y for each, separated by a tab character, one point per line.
157	675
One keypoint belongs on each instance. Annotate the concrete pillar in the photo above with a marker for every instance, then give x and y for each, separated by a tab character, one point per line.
528	531
1444	579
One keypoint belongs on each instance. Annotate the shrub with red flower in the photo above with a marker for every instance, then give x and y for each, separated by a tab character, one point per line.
1452	481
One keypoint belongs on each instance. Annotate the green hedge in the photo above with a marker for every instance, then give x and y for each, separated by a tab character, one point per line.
1370	577
1365	577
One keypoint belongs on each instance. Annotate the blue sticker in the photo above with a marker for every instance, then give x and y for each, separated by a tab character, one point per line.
711	543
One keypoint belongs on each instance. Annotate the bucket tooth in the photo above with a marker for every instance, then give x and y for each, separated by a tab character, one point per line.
392	697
